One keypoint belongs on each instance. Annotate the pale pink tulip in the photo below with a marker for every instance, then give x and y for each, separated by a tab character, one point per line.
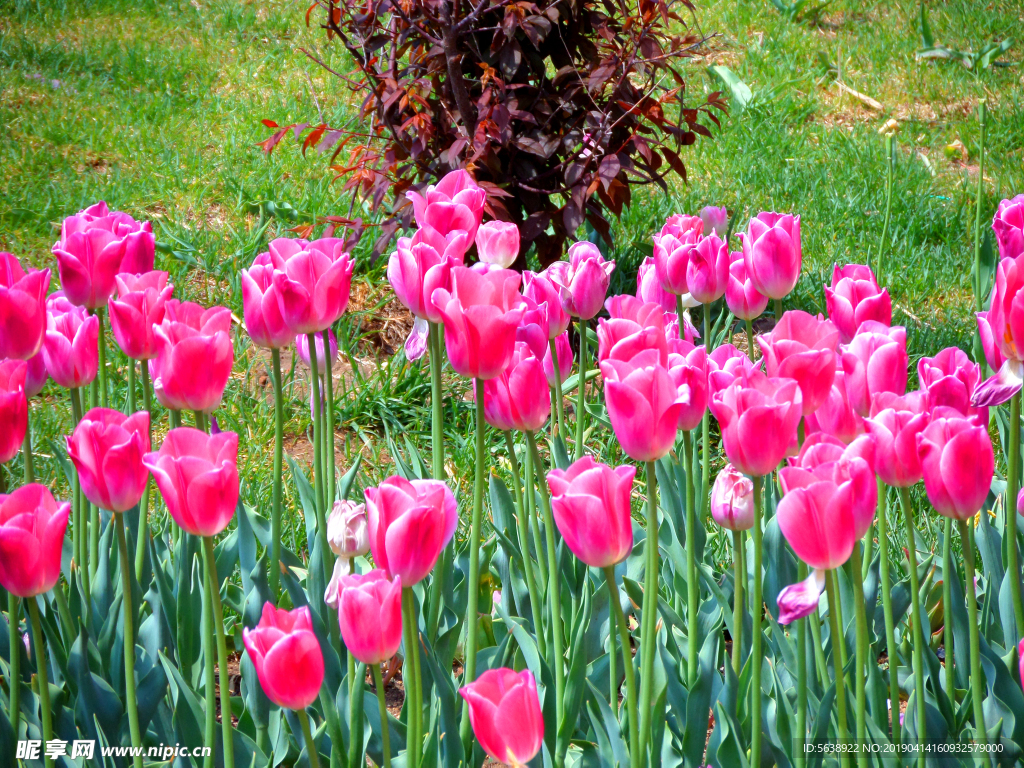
732	500
497	242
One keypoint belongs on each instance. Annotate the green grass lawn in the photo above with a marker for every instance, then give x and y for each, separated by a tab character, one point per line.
156	107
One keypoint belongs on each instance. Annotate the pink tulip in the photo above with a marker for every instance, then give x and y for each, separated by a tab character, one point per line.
370	615
673	247
194	356
689	337
22	308
772	253
957	463
590	502
949	380
895	430
410	522
726	363
680	225
1006	328
715	219
261	306
854	297
314	284
565	359
480	317
1008	225
583	282
688	367
758	417
649	289
1020	663
875	361
742	298
286	655
836	415
36	375
302	348
71	349
32	526
197	475
732	500
993	354
454	203
707	271
544	307
13	407
644	405
518	397
497	242
140	245
632	328
138	309
504	710
347	533
107	449
89	254
803	347
420	265
801	599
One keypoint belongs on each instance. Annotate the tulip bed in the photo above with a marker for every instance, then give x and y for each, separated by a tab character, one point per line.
777	621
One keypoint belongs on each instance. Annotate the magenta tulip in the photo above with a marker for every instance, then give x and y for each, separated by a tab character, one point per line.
854	297
673	247
454	203
35	375
688	367
544	307
758	417
314	284
715	219
410	522
836	415
107	449
732	500
89	254
649	288
197	475
497	242
875	361
302	348
137	310
13	407
1006	328
480	317
287	657
139	243
583	281
644	405
957	463
633	327
1008	225
504	710
590	502
22	308
518	398
689	337
680	225
707	271
194	356
565	358
895	429
32	526
370	615
71	348
261	306
772	253
949	380
741	297
803	347
993	354
725	364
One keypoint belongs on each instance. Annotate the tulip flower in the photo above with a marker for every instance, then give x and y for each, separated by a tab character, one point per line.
895	429
370	615
35	375
875	361
32	526
140	245
89	254
707	270
1008	225
1006	328
22	308
758	417
803	347
836	416
957	463
346	529
732	500
582	281
649	288
949	380
139	307
197	475
993	354
302	348
725	364
13	408
590	502
480	317
261	306
677	343
565	357
409	522
855	297
314	284
194	356
673	247
518	398
107	449
544	307
680	225
772	253
454	203
497	242
71	348
716	220
286	655
741	296
688	367
504	710
632	328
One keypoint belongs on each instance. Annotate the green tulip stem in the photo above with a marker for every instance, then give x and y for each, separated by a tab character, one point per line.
131	386
559	402
581	392
44	686
648	640
385	730
837	662
217	614
355	713
801	677
80	534
14	671
531	510
102	377
142	538
739	578
210	730
627	663
778	309
276	509
412	678
26	448
536	604
917	619
814	621
947	606
890	624
329	435
128	605
307	736
435	345
755	647
200	421
705	430
174	418
692	586
977	681
750	340
861	652
1010	519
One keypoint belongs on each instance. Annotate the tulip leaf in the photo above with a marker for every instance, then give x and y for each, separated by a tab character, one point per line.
347	481
726	745
575	681
606	727
97	707
448	706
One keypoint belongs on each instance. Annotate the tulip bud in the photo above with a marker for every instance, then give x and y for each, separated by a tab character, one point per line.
71	348
732	500
107	449
707	271
22	308
772	253
741	296
563	349
32	527
370	615
497	242
287	657
346	529
501	697
716	220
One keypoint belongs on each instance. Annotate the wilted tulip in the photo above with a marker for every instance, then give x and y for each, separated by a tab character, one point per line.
716	220
644	405
772	253
803	347
672	249
649	288
139	307
107	449
286	655
454	203
314	284
854	297
504	710
32	526
518	398
583	281
71	348
497	242
194	356
957	463
732	500
590	503
875	361
261	306
1008	225
302	348
742	298
13	407
370	615
22	308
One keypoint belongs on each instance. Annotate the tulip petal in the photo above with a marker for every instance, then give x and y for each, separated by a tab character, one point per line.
799	600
